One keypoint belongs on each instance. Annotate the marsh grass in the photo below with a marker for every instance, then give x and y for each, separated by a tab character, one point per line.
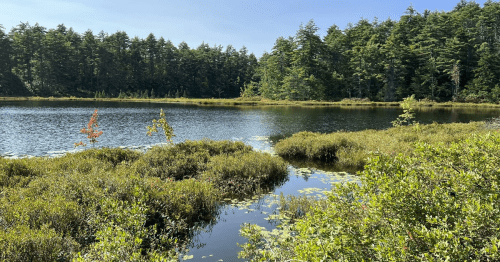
258	101
115	204
350	150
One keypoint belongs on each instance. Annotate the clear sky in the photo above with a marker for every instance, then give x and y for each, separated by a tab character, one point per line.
255	24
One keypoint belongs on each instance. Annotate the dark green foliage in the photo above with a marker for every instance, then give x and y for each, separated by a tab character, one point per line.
61	62
443	56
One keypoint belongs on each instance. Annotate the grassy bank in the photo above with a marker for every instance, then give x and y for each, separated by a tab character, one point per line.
261	102
350	150
121	205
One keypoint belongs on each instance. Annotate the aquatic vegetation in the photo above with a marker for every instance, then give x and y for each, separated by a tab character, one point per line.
244	173
440	201
350	150
114	204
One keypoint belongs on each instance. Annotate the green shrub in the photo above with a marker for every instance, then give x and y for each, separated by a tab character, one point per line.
114	156
57	212
22	243
440	203
122	236
350	150
116	204
213	147
186	200
313	146
184	160
16	173
244	172
170	162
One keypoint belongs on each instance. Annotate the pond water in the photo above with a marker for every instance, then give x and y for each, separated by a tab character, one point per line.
40	127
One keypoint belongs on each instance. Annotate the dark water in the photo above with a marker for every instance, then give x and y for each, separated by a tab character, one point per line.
35	128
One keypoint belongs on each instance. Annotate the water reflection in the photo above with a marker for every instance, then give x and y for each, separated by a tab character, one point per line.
37	127
220	240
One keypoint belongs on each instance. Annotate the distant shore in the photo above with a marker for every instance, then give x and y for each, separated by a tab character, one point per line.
257	102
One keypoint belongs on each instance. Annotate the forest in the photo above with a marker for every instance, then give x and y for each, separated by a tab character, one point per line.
435	55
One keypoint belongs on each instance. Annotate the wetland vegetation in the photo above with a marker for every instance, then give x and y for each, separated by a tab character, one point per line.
423	192
426	193
121	205
117	204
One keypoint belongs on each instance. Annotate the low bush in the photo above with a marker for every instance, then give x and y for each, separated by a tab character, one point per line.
243	173
213	147
16	173
22	243
313	146
350	150
184	160
169	162
439	203
117	204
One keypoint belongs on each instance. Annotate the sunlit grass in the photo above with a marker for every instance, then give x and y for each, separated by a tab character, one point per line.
350	150
258	101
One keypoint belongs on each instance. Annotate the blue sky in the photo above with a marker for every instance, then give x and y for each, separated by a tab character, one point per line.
255	24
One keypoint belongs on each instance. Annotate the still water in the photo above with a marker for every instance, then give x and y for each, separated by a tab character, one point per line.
40	127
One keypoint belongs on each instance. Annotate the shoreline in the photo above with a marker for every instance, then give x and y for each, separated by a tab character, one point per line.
260	102
59	153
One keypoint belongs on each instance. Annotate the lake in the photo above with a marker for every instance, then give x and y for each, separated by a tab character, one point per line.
40	127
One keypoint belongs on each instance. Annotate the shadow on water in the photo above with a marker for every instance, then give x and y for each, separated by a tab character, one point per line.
218	241
196	242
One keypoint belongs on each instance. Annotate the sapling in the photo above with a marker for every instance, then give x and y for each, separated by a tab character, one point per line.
162	123
91	130
408	113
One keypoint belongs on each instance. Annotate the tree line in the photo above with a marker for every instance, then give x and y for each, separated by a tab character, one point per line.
61	62
442	56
